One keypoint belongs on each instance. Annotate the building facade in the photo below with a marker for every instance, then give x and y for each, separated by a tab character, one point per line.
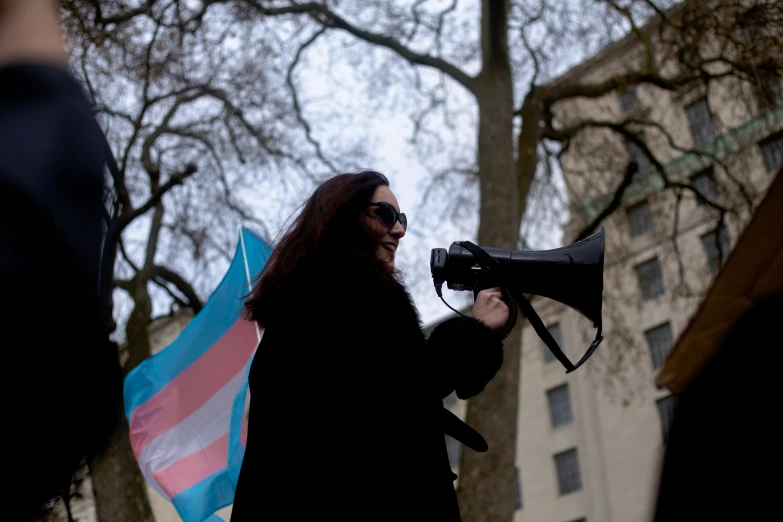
590	443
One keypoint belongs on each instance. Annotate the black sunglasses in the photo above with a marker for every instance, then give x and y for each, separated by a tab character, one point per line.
389	215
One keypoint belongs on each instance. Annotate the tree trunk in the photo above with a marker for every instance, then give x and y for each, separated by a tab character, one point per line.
117	483
486	480
136	329
499	224
527	149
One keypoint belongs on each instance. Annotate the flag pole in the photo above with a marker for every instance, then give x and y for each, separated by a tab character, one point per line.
247	270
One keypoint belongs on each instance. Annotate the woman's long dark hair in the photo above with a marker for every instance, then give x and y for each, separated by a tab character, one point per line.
329	229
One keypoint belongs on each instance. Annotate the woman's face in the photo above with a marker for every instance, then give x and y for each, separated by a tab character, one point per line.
389	238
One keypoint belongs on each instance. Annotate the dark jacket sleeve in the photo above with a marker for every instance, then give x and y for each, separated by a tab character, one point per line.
467	355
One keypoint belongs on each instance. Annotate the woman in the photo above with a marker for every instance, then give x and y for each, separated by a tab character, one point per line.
346	416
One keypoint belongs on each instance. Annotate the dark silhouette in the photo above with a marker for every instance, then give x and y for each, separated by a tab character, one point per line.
61	378
346	413
724	444
62	373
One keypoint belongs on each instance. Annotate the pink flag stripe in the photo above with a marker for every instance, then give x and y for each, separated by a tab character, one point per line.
189	471
154	484
203	427
194	386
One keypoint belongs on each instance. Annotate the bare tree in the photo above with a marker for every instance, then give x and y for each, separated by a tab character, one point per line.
500	64
693	129
507	57
198	132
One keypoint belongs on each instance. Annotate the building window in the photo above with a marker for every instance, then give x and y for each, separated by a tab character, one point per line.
666	409
636	154
704	182
640	219
558	337
772	150
716	246
454	448
517	490
568	477
559	405
628	98
700	120
650	279
660	341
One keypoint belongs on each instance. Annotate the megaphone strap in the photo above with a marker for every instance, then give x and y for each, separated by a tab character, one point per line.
459	430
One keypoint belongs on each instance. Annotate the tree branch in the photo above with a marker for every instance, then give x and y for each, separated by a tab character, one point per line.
175	179
237	113
177	299
180	284
527	150
622	129
329	19
119	18
145	101
613	205
553	93
677	253
125	284
641	34
298	108
228	198
125	255
534	56
162	128
152	247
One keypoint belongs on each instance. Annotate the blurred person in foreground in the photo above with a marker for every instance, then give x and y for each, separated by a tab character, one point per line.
60	375
346	393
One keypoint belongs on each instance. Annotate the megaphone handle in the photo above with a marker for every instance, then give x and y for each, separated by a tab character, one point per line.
513	311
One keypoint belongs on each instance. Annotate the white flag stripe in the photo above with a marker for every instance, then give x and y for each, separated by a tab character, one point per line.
197	431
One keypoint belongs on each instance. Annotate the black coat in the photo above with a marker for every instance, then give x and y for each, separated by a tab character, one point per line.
346	413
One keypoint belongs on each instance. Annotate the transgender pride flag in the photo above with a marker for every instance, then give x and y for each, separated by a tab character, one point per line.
187	405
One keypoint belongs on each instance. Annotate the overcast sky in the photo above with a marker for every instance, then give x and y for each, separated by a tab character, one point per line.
351	99
330	85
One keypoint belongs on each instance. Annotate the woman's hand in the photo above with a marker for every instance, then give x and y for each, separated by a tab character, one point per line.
490	309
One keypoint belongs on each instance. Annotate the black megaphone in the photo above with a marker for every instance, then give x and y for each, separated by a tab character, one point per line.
572	275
